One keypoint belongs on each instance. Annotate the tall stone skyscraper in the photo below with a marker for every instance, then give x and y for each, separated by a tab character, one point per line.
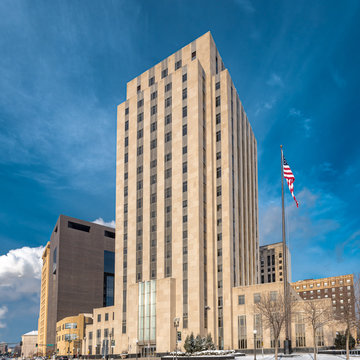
186	202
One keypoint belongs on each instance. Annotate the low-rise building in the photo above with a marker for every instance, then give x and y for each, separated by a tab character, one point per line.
70	333
29	344
340	289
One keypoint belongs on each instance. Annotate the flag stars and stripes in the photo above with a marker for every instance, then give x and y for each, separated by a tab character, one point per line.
290	178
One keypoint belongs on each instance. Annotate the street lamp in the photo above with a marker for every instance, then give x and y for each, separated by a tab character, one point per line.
255	332
136	347
176	325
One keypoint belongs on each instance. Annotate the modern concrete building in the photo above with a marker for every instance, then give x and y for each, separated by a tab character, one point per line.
272	263
70	333
29	342
78	274
340	289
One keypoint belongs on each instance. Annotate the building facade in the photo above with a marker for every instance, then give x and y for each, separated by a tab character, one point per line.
44	293
29	344
340	289
70	333
78	274
272	263
186	201
249	318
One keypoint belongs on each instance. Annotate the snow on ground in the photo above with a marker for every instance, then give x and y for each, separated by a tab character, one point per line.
297	356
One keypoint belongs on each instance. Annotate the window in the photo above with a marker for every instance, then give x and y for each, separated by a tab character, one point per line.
193	55
126	111
153	144
140	150
242	336
184	111
153	95
126	125
218	119
139	185
152	81
152	179
273	295
99	318
153	110
184	186
76	226
126	141
167	157
164	73
168	102
168	137
257	298
106	316
138	88
217	101
184	167
167	173
140	117
184	77
178	65
218	172
167	119
218	155
153	127
184	150
126	176
184	129
241	299
217	85
167	87
218	136
184	203
184	94
185	218
140	103
218	191
109	234
167	193
140	133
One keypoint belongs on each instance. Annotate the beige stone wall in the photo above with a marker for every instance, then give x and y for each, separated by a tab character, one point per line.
73	345
239	198
298	306
29	348
44	293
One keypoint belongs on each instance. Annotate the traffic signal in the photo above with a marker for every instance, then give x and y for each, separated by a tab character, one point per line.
36	345
179	336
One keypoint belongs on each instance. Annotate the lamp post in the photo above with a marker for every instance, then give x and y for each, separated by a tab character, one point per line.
255	332
136	347
176	325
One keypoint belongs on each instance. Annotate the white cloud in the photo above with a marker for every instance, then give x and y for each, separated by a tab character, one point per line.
275	80
101	221
246	5
20	273
3	311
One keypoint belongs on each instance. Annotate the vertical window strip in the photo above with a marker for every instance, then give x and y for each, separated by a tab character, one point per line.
168	188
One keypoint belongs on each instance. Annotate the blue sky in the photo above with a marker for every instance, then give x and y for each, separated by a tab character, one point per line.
63	70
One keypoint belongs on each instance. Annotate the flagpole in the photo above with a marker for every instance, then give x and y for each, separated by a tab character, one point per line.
287	342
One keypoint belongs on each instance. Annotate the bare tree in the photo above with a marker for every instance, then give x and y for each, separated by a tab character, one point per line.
347	317
317	313
271	307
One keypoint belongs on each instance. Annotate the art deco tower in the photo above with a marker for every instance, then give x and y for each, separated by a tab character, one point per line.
186	201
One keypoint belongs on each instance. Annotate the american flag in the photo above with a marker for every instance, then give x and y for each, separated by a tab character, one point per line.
290	178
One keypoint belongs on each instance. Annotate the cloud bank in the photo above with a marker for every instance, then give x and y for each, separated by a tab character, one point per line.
101	221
